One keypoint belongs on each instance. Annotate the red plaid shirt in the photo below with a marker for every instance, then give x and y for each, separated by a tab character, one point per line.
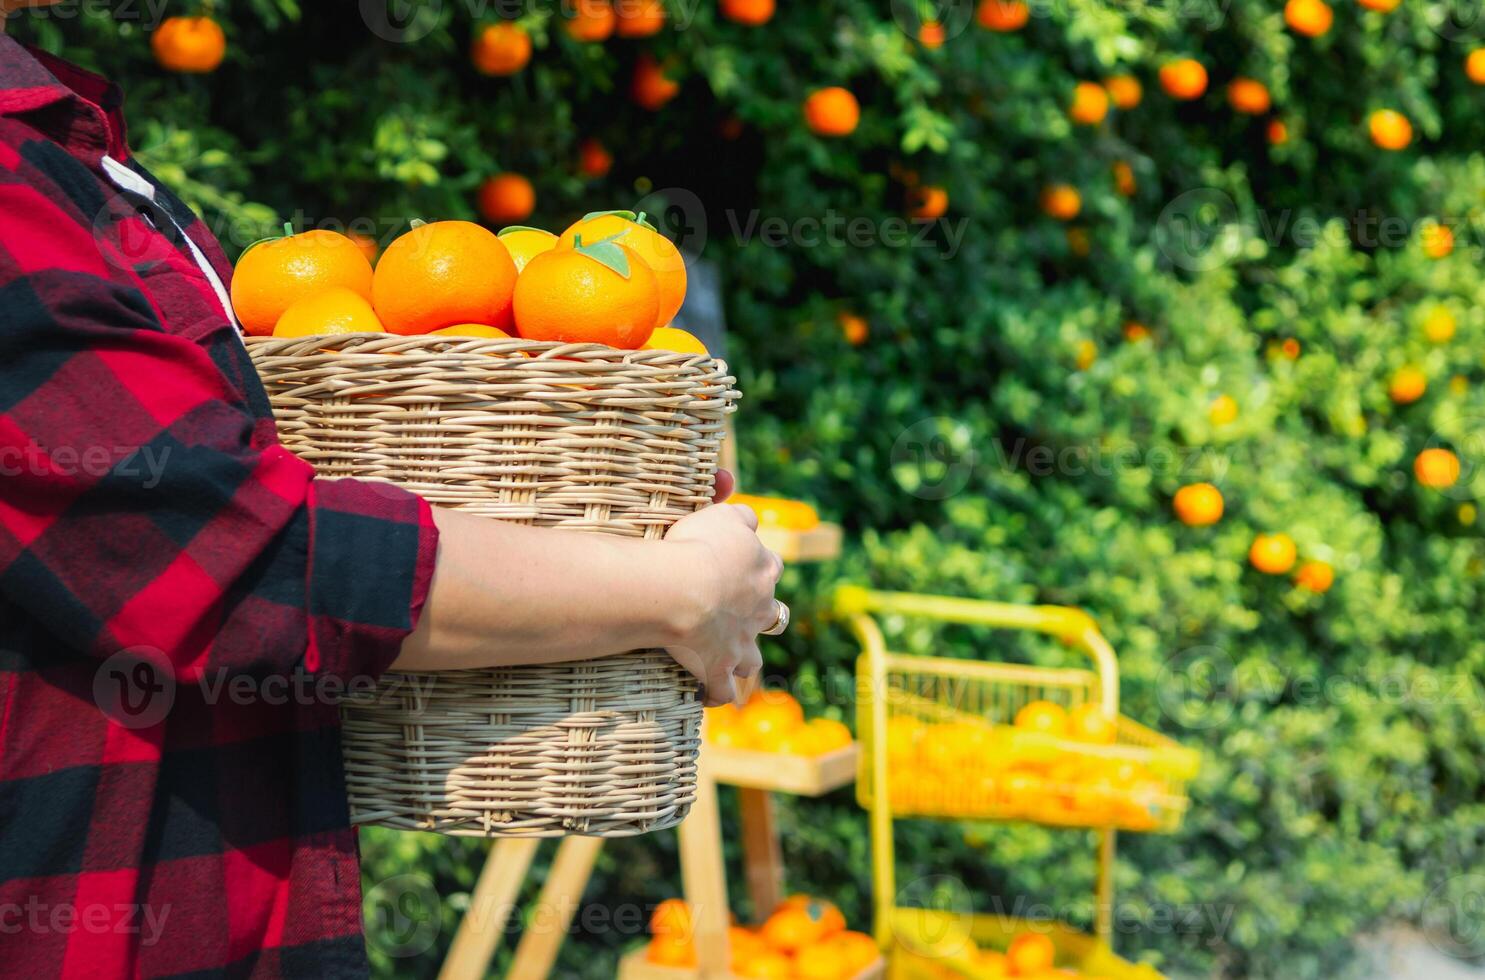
181	600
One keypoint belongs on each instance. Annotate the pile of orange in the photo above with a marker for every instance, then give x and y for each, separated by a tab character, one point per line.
609	279
804	938
773	721
778	512
1029	954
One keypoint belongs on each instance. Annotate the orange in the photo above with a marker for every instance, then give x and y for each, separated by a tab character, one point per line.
1381	6
1474	66
1135	332
832	111
1316	576
589	20
1088	723
1308	17
830	916
1078	242
1086	354
931	35
857	950
1390	129
500	49
1277	133
594	160
792	515
769	715
1407	385
1124	90
820	961
1061	201
190	45
765	965
854	328
506	198
1439	325
1437	240
672	951
829	734
1248	96
659	253
525	243
1198	504
1002	15
472	330
443	274
603	293
366	244
1124	181
639	18
753	13
1223	410
927	203
1030	953
651	88
794	925
336	310
1090	104
1183	79
674	339
1290	348
672	917
1044	717
1436	468
1272	554
272	275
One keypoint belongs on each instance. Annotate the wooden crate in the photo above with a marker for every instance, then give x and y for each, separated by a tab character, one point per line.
783	772
636	967
819	543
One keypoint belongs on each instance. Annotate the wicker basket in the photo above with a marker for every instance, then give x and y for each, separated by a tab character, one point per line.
573	436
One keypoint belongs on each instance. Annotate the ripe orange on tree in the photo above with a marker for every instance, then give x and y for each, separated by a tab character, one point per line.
1390	129
674	339
927	202
931	35
1381	6
659	253
525	243
1407	385
1315	576
590	20
1002	15
599	293
1061	201
1090	104
1474	66
272	275
1436	468
1248	96
1198	504
1045	717
832	111
1086	354
1223	410
1135	332
650	87
1124	90
443	274
1439	325
506	198
1184	79
334	311
753	13
594	160
1311	18
1030	954
1124	181
1436	239
1277	132
853	327
190	45
500	49
639	18
1273	554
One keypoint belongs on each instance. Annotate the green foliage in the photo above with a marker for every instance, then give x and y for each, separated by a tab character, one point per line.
1342	732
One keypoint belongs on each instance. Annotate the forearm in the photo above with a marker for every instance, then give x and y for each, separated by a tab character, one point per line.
507	594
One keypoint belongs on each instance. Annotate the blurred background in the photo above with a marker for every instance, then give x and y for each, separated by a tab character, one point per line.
1054	274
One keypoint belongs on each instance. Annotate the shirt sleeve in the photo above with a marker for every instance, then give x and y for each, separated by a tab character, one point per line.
142	507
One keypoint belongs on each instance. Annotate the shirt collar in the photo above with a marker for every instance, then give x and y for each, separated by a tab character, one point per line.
86	109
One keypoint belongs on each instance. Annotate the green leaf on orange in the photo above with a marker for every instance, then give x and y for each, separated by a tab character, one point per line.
606	252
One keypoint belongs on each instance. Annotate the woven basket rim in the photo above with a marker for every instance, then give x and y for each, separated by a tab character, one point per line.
427	344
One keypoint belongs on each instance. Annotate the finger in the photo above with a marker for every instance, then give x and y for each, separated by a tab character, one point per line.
726	483
748	515
719	688
750	664
690	660
778	565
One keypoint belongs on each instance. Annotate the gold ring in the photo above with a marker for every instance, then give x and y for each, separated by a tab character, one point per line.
780	620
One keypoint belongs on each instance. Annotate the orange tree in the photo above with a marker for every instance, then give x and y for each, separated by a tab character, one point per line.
993	321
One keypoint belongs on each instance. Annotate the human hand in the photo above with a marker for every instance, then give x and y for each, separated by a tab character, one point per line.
727	580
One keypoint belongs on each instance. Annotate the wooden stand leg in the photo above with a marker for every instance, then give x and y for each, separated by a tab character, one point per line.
555	907
704	876
761	855
1103	919
489	907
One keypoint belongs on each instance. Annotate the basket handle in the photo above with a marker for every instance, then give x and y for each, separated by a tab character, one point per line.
1065	622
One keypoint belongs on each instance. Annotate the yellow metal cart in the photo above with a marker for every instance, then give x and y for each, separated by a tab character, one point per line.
939	735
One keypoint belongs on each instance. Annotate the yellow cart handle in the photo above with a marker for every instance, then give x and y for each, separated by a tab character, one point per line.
853	603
